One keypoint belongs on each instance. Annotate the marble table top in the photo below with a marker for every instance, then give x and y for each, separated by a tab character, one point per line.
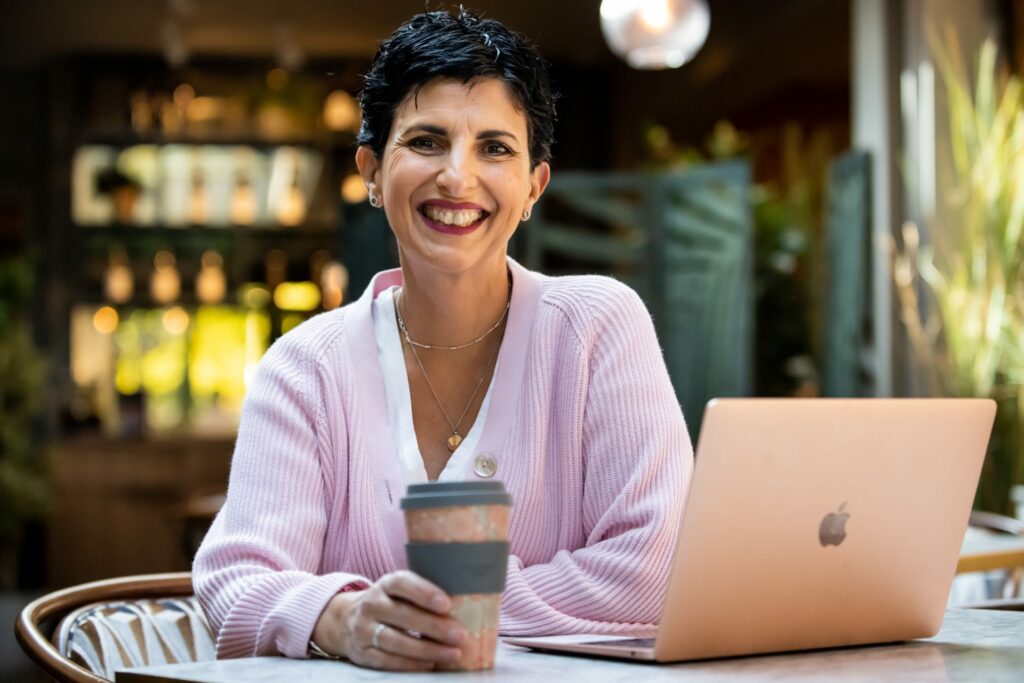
973	645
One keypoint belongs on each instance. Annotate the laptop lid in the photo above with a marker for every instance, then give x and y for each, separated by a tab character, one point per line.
817	523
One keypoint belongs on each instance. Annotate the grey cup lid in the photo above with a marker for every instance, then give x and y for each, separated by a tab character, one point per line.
440	494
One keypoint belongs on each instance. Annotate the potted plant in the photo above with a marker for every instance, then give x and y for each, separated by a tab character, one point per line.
23	484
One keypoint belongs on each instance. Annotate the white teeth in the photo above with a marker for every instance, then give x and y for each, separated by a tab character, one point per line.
450	217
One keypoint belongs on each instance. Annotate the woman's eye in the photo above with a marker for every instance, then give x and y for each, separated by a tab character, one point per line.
423	143
496	148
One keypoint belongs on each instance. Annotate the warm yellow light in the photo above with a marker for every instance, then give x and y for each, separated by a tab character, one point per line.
656	15
243	203
204	375
211	259
296	296
655	34
119	283
277	78
105	320
341	111
292	208
204	108
175	320
164	259
211	284
166	283
163	367
333	282
254	295
128	375
184	94
353	189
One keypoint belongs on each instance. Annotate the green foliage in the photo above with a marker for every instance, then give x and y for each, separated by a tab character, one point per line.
23	489
974	346
974	268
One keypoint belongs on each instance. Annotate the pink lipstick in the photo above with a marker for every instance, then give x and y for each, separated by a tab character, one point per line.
452	206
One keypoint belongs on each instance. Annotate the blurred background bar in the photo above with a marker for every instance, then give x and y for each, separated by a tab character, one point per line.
787	185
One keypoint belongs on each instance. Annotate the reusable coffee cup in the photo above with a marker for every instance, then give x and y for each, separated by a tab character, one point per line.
458	539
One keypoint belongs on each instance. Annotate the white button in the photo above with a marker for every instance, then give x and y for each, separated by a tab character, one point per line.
485	465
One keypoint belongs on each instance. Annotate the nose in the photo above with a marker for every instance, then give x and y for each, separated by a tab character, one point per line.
458	176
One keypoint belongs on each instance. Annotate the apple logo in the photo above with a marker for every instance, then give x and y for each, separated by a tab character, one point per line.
833	527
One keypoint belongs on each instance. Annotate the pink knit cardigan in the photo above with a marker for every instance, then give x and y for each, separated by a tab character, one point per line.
583	423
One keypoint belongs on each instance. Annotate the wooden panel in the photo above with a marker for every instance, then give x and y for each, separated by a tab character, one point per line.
118	505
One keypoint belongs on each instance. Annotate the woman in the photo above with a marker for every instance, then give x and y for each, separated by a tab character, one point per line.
461	364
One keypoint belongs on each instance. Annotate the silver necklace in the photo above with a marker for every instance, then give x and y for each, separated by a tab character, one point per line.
455	439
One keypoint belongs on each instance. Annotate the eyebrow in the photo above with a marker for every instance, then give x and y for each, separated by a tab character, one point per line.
438	130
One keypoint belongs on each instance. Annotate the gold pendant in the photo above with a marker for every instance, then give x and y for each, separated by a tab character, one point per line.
453	442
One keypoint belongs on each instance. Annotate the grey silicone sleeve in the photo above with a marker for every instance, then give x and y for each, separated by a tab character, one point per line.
461	568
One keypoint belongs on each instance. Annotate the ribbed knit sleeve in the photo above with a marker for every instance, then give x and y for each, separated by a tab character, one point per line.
638	461
255	573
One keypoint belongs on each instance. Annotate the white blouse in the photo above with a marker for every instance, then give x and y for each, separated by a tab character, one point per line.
396	389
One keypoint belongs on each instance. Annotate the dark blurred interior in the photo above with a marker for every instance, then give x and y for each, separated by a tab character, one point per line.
177	191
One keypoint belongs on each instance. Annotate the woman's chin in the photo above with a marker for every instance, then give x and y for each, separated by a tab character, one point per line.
449	256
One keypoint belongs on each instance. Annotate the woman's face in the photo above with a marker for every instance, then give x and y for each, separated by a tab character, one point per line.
455	174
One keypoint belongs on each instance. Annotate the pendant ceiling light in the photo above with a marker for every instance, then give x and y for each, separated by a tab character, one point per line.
655	34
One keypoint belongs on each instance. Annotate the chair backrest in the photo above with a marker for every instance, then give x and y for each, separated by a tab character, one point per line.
684	241
996	522
1012	579
115	624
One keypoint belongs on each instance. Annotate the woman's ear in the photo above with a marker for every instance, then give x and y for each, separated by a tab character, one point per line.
540	176
369	168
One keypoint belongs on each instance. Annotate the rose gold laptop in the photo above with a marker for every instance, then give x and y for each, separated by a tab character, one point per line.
814	523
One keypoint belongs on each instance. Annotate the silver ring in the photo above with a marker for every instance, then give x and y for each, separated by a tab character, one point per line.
376	635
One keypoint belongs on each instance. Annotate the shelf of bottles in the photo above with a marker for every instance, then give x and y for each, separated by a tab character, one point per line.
205	233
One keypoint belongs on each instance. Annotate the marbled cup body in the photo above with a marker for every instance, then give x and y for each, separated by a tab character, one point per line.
477	612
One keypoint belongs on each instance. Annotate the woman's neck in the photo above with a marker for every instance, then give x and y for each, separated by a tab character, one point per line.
448	310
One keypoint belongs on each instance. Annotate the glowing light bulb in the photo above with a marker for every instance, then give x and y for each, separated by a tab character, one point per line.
656	15
243	202
353	189
105	320
333	282
296	296
655	34
292	208
211	283
175	320
165	286
119	284
341	112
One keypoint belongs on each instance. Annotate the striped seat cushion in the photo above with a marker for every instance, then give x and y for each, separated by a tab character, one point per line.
105	637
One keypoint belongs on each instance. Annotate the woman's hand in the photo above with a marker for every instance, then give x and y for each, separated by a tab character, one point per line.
396	604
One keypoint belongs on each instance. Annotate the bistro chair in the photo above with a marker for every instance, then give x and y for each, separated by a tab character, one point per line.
1005	581
995	522
1013	588
83	634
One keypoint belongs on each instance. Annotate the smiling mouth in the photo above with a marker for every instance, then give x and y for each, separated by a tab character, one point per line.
461	218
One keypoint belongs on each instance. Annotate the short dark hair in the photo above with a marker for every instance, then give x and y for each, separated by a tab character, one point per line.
465	46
